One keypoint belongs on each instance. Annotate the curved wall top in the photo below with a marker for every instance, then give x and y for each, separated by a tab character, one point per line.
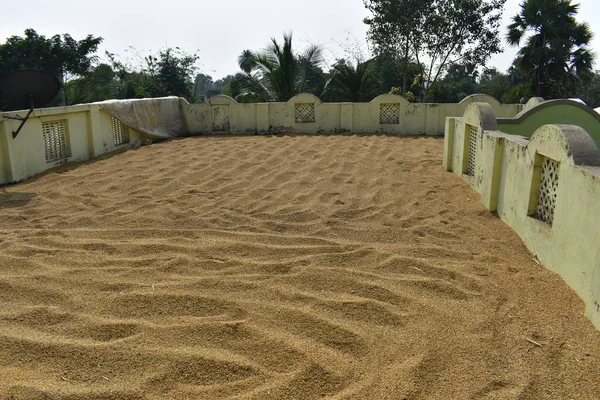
565	143
221	99
568	112
480	98
533	102
390	98
305	98
481	115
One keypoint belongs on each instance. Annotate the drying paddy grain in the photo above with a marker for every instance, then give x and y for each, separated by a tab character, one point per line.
294	267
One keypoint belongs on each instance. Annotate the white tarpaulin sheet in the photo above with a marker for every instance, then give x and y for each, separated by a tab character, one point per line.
159	118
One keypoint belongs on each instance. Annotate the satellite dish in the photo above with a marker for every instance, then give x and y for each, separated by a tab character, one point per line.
26	89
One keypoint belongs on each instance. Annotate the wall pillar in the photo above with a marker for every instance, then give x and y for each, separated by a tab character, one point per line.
347	117
459	144
262	118
96	141
491	160
6	165
449	142
15	164
432	116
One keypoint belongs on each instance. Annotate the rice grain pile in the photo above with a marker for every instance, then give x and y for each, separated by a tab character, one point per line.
293	267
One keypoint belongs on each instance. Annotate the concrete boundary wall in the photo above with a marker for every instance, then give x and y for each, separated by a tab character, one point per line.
546	188
53	136
306	113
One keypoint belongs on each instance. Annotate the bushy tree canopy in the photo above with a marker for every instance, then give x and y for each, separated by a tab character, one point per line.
554	54
169	73
354	83
437	33
61	55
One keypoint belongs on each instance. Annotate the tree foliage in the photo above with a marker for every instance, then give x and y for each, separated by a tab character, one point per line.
496	84
355	83
100	83
459	82
394	71
554	55
591	91
392	27
61	55
437	33
278	74
169	73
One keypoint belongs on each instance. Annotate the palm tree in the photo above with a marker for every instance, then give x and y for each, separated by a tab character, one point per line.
555	54
246	61
277	74
352	83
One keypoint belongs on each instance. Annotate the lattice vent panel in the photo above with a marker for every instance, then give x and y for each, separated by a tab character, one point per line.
305	113
548	190
55	141
473	139
389	114
119	131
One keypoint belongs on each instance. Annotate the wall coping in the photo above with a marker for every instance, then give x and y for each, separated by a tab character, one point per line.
579	144
305	98
481	114
390	98
40	112
520	117
480	98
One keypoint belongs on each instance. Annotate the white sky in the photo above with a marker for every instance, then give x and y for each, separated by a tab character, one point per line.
219	30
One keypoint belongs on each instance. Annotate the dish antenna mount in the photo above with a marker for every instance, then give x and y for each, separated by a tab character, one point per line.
25	89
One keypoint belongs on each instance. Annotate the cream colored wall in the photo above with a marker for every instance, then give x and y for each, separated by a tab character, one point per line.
88	133
507	176
5	175
415	118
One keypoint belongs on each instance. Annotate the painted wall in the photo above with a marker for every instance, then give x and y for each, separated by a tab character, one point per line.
508	174
222	114
88	129
88	134
553	112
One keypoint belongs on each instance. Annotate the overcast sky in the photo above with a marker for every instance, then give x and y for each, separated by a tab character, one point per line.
219	30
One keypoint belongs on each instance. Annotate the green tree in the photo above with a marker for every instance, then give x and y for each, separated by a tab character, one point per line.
100	83
278	74
439	33
554	55
459	82
133	81
174	69
390	71
167	74
591	91
202	83
67	58
495	84
232	85
400	21
352	83
246	61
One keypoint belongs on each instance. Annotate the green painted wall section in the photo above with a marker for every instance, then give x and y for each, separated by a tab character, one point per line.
557	114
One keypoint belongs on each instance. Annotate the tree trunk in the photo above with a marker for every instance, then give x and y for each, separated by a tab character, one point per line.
64	85
405	68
